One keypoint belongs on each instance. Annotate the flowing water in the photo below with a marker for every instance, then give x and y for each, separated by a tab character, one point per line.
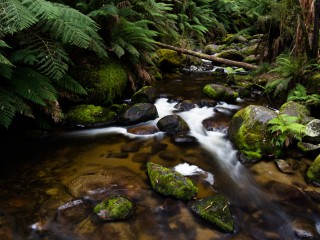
43	180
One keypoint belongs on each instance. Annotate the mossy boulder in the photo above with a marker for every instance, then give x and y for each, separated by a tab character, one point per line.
104	82
169	60
309	149
114	208
231	54
172	124
313	173
138	113
295	109
147	94
170	183
90	115
220	93
216	210
248	132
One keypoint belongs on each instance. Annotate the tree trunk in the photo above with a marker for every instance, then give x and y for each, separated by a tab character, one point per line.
208	57
315	38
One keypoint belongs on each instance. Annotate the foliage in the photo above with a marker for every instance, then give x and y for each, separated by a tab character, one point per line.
285	129
299	94
34	67
291	70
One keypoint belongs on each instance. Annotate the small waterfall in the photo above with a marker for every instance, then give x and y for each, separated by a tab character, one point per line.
245	191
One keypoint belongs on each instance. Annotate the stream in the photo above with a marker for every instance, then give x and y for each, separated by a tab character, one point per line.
49	183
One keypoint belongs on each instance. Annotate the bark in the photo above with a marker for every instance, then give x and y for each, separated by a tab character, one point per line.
208	57
315	39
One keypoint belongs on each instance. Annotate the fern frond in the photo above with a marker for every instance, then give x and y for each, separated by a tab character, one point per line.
7	108
33	86
15	17
68	83
42	9
105	11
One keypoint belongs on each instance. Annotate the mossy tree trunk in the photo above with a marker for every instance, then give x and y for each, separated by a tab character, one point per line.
208	57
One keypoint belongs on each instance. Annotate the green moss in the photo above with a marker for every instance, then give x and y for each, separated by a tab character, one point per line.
251	136
90	114
295	109
231	54
113	208
170	183
169	59
216	210
220	93
103	82
313	173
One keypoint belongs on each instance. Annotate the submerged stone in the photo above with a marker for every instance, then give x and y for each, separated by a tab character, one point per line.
216	210
113	208
283	166
170	183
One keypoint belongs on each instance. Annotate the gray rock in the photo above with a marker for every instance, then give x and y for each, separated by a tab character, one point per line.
284	166
172	124
313	132
139	112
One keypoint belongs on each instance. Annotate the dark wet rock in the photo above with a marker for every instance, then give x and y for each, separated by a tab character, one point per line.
309	149
248	132
208	103
158	147
243	92
143	130
312	134
185	105
283	192
117	155
73	211
183	138
313	173
213	124
216	210
114	208
315	195
170	183
305	229
172	124
139	112
220	93
101	183
147	94
284	166
295	109
131	146
91	116
141	157
168	155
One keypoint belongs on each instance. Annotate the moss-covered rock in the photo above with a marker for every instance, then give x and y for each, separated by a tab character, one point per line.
220	93
216	210
91	115
313	173
103	82
309	149
248	132
169	60
295	109
170	183
231	54
114	208
147	94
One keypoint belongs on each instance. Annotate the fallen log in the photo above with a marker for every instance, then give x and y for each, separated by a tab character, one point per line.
208	57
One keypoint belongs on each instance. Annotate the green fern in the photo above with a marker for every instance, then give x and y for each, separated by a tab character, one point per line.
285	129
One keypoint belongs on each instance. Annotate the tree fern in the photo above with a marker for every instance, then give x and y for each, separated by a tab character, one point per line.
15	17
